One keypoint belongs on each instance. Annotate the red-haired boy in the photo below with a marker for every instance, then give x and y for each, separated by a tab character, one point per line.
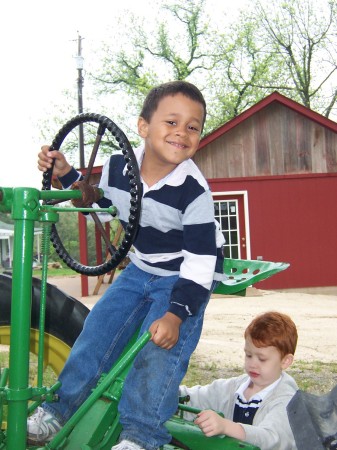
254	404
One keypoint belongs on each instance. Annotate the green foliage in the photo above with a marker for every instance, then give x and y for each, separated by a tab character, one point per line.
68	231
287	46
156	56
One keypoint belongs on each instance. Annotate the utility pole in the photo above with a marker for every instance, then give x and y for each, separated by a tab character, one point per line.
82	222
79	65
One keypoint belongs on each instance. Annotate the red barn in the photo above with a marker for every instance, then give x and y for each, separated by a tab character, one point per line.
273	174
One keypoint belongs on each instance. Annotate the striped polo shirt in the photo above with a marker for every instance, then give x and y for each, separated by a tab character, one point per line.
245	410
177	233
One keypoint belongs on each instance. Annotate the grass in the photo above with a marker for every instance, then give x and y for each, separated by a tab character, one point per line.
62	272
49	376
315	377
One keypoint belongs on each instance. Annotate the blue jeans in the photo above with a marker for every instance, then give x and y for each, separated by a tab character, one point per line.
150	394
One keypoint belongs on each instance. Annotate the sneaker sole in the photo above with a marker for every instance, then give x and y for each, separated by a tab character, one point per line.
32	441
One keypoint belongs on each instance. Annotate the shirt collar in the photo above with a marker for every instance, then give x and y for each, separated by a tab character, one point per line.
139	154
259	395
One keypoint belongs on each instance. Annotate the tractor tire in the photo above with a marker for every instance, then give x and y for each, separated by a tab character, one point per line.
63	323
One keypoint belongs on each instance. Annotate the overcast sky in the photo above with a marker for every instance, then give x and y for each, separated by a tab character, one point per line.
38	44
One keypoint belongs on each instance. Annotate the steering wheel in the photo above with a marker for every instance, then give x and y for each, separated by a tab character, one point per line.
116	254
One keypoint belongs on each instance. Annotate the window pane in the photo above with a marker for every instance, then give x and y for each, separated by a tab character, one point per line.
234	237
224	223
235	252
227	252
224	207
233	223
232	208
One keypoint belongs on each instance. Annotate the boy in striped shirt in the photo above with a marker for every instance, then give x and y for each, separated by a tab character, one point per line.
176	263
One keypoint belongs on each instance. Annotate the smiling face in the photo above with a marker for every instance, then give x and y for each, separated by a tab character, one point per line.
173	133
264	365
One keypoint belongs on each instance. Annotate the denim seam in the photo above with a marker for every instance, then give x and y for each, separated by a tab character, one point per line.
93	381
174	368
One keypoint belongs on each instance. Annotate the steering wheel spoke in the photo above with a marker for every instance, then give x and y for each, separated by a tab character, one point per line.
89	193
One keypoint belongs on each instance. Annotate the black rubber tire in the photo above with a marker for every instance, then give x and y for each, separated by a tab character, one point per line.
65	315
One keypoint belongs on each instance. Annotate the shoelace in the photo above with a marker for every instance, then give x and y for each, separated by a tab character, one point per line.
37	417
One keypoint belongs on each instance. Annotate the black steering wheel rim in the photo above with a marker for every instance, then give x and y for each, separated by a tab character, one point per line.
132	170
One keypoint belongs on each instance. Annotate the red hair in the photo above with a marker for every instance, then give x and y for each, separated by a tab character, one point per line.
273	329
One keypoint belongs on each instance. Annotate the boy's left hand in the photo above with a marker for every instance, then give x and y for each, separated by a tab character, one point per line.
165	331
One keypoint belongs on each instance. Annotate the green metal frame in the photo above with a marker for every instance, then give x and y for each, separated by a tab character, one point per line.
95	425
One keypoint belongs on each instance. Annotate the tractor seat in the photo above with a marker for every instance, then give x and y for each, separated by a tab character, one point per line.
243	273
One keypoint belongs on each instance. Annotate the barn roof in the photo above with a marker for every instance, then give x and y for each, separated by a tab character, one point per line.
274	97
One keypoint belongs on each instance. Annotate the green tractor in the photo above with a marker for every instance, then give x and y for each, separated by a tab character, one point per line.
37	318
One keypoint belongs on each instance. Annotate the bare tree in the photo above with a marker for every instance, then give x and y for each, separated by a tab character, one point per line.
303	35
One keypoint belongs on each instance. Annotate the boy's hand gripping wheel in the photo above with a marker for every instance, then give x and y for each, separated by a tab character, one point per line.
91	194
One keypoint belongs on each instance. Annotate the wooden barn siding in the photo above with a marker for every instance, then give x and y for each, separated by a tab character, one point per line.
293	219
274	141
330	154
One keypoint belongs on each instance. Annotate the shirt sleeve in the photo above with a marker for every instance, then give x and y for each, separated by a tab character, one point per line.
70	178
200	254
217	396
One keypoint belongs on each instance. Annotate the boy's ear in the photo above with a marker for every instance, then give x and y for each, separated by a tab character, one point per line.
287	361
142	127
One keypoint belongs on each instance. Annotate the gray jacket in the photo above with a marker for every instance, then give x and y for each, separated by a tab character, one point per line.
270	429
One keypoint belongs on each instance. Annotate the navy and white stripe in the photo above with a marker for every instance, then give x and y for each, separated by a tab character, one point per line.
244	412
177	231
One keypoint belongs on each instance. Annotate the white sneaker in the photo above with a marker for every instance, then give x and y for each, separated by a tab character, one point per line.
127	445
42	427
